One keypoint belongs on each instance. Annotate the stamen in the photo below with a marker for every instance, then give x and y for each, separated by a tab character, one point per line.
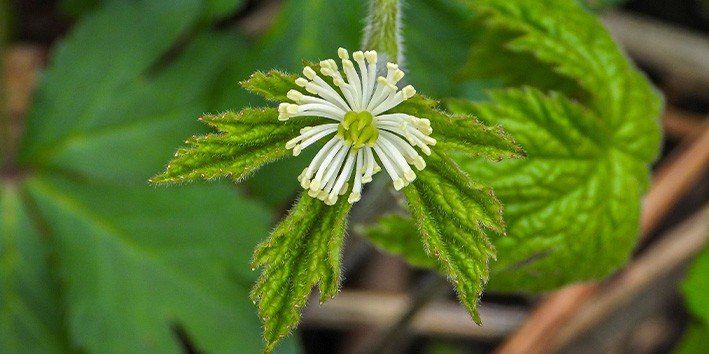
346	162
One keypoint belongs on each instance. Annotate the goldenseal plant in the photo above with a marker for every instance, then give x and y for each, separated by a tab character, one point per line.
362	121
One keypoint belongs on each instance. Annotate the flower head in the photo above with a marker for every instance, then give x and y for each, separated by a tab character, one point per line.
363	134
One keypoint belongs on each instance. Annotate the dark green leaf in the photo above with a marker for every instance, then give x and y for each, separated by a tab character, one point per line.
431	28
211	9
137	265
451	212
134	269
138	120
311	29
104	64
217	9
490	58
30	311
303	251
397	234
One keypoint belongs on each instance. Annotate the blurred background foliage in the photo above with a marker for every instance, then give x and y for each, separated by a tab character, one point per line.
92	259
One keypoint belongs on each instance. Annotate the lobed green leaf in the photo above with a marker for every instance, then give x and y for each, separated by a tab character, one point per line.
451	212
573	197
303	251
577	195
573	42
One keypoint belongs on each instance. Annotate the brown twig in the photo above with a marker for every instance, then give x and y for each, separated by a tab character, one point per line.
681	125
448	318
680	53
672	251
674	178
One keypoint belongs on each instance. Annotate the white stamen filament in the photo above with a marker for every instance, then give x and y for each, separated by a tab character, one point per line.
347	160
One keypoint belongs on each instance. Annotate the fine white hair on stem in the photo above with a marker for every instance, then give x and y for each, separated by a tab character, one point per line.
383	31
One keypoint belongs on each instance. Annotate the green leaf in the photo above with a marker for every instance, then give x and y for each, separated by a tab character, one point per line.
217	9
247	141
211	9
577	194
71	133
451	212
134	270
572	198
462	132
398	235
30	312
512	68
141	269
694	339
575	44
303	251
311	29
696	287
432	27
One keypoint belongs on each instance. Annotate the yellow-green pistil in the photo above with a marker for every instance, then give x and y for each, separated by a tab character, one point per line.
357	130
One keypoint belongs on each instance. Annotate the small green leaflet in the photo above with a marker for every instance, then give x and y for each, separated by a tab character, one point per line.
576	196
247	140
451	212
302	252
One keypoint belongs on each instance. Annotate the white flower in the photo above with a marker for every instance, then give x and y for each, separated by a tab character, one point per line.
362	132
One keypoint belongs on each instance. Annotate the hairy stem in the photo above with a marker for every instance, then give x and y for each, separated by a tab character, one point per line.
383	30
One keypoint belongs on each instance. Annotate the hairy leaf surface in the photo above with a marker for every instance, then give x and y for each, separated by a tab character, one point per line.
452	213
303	251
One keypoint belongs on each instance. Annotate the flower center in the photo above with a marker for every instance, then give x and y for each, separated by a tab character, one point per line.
357	130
